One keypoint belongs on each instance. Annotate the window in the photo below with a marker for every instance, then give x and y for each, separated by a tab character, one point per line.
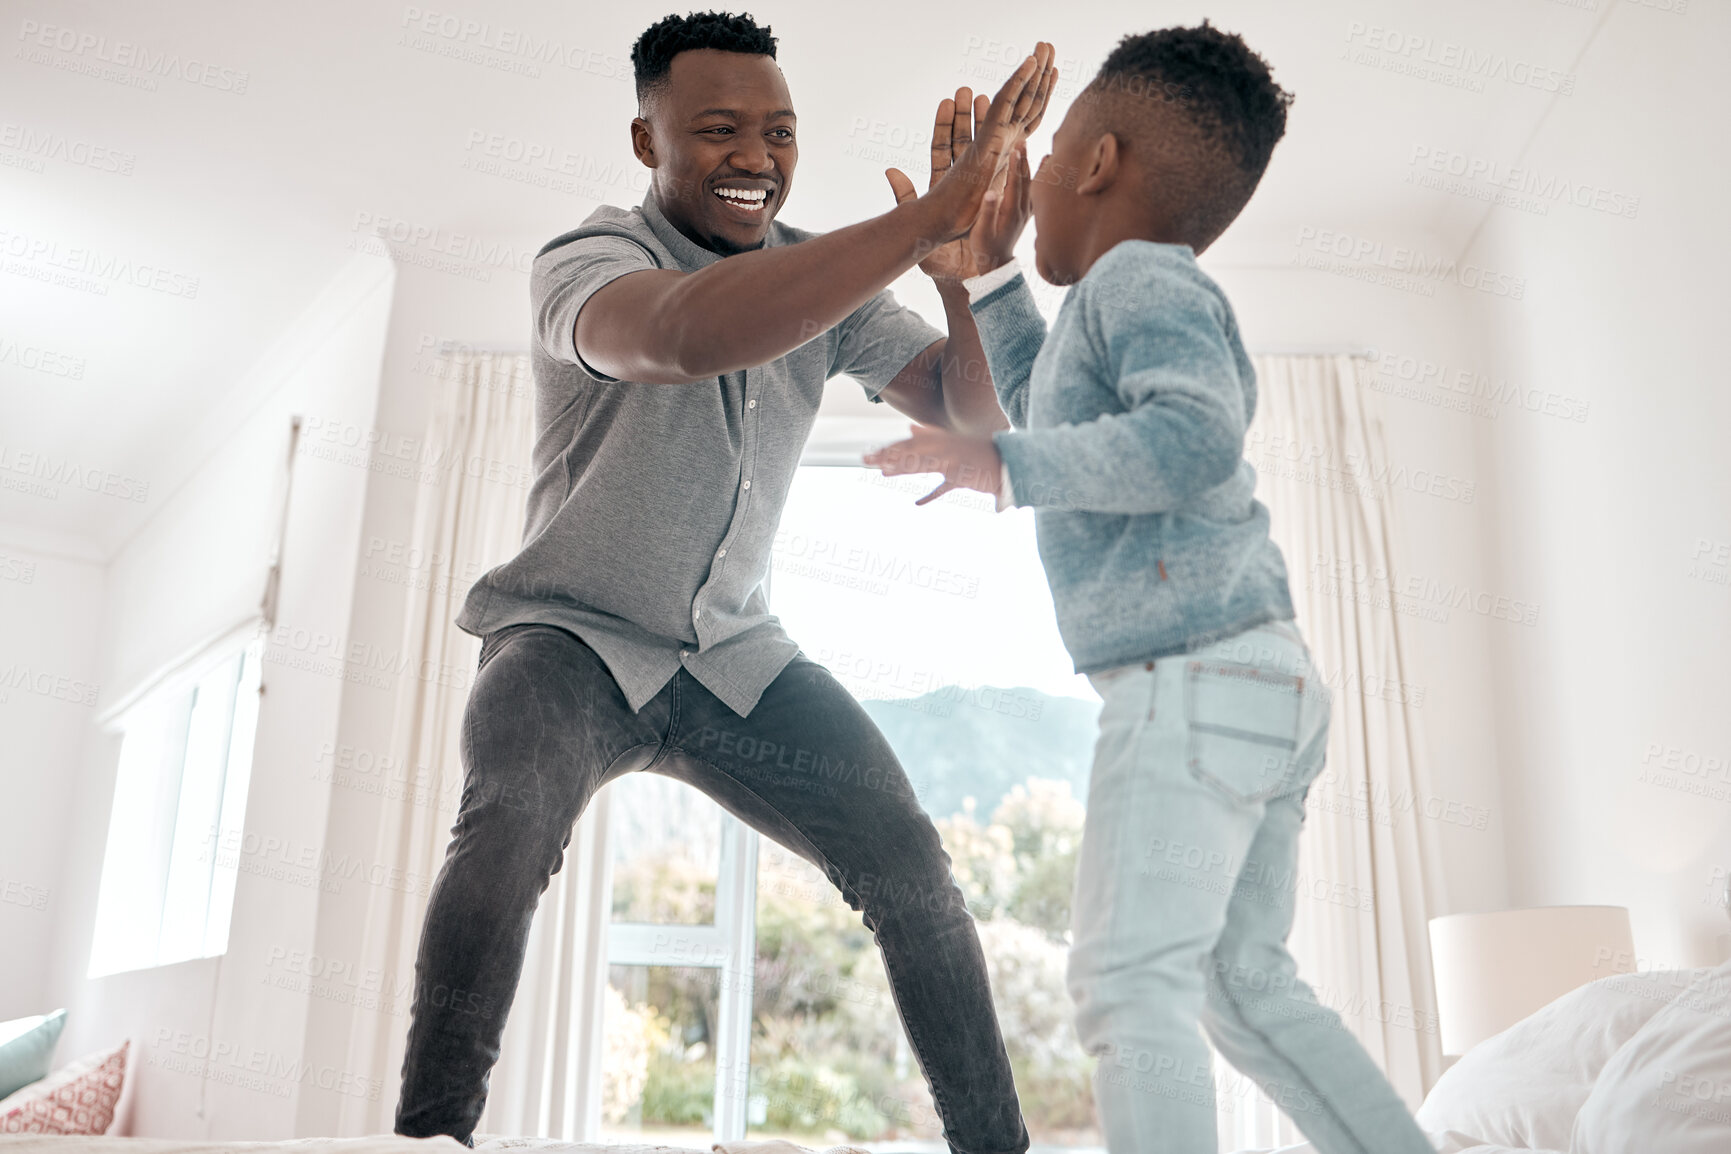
677	1008
168	874
939	620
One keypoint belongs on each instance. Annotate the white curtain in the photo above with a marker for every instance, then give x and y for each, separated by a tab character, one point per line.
467	521
1317	444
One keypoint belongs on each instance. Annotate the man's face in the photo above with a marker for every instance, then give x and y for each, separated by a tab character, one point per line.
724	124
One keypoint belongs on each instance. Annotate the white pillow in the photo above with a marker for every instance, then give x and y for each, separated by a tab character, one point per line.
1669	1088
1524	1086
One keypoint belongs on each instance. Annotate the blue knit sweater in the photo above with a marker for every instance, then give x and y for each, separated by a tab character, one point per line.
1129	444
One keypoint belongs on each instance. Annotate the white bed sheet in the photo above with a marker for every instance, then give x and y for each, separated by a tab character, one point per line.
1446	1143
395	1144
371	1144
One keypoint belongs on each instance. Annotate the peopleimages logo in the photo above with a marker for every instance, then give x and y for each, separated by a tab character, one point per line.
87	46
41	360
1467	64
1525	180
1365	254
46	145
1420	377
460	245
45	474
427	28
46	253
46	684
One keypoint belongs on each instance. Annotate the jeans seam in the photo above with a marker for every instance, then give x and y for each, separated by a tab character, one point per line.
1295	1069
672	727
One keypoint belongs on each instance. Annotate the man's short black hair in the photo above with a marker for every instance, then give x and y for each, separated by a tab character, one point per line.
652	55
1222	91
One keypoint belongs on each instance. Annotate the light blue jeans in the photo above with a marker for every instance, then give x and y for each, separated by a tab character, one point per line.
1184	900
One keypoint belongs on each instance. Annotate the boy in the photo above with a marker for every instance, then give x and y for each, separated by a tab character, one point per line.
1129	421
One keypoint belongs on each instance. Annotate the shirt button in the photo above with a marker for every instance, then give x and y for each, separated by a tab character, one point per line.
721	553
751	404
747	485
685	653
696	613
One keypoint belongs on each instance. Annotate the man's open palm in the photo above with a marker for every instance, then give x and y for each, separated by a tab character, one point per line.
974	166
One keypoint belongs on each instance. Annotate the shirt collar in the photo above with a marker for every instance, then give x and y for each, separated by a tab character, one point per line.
690	255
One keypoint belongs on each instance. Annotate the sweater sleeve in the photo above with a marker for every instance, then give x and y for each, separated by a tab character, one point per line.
1011	333
1160	337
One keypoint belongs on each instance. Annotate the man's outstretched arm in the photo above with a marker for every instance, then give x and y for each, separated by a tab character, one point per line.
949	385
662	326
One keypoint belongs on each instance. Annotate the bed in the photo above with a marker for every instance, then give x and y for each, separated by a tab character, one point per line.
1630	1064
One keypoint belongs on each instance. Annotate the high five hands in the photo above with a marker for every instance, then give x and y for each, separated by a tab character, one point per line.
980	183
986	179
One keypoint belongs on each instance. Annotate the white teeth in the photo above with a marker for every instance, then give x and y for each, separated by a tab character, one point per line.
750	198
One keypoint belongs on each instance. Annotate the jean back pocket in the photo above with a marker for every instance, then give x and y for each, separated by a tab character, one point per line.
1243	727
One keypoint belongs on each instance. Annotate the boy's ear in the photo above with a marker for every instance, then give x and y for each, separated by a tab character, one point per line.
1100	170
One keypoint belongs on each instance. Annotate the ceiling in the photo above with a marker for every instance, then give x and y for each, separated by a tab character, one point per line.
178	181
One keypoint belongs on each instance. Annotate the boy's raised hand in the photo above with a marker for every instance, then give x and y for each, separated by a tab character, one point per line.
1003	216
973	145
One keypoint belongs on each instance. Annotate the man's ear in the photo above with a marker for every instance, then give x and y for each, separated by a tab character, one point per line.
1100	169
643	142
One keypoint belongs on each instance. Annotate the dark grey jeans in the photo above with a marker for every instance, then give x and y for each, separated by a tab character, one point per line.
546	726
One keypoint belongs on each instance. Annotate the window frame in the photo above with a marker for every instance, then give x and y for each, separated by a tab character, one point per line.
189	890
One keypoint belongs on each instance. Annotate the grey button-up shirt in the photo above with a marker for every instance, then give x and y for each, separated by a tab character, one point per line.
654	507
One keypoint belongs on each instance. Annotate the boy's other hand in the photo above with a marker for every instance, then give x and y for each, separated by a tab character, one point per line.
966	462
958	192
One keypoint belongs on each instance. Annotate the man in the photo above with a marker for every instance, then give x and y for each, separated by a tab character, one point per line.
681	350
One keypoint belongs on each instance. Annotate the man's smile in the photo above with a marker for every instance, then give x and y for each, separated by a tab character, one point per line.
745	199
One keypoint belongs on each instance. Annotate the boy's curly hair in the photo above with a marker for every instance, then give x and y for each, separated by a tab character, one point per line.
1225	96
652	55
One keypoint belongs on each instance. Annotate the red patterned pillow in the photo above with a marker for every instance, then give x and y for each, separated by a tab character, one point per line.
75	1099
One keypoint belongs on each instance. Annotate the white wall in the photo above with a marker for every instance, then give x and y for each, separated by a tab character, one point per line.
429	308
1608	711
358	367
51	601
197	558
1440	540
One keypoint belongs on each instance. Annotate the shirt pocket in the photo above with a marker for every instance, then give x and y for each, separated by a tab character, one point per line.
1243	728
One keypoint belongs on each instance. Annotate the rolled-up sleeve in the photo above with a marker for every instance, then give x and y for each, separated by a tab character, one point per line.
877	340
562	281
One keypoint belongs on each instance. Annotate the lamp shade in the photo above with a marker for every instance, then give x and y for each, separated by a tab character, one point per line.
1492	970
